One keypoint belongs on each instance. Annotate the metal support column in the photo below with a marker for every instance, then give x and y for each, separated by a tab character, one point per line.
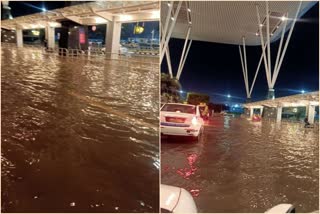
274	79
263	50
164	29
280	45
184	60
183	51
167	37
257	70
169	62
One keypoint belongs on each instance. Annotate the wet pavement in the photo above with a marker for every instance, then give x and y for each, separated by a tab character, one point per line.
78	135
244	166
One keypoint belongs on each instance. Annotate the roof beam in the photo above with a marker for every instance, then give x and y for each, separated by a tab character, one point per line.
136	18
72	18
103	14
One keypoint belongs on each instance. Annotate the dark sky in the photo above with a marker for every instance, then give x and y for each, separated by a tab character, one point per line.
20	8
215	69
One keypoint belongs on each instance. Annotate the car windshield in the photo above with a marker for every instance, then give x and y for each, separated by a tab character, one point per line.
179	108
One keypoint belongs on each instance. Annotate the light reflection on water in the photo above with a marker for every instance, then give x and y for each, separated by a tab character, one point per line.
78	135
245	166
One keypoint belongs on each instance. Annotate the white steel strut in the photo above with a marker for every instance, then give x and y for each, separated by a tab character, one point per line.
272	78
166	35
245	68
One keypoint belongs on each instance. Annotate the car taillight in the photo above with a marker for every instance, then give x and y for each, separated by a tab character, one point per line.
194	121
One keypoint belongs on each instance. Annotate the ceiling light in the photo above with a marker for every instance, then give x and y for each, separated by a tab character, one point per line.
125	17
189	10
169	4
283	18
100	20
172	18
156	14
261	25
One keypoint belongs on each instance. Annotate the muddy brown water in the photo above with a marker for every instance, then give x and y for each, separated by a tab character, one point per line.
244	166
78	135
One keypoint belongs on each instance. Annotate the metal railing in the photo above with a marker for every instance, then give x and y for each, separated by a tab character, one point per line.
99	54
125	59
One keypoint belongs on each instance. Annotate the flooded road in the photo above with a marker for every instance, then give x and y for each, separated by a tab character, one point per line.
78	135
244	166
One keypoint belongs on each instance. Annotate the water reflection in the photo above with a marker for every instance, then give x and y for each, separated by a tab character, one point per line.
78	135
244	166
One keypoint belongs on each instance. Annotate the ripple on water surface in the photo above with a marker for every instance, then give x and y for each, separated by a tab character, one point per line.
78	135
242	166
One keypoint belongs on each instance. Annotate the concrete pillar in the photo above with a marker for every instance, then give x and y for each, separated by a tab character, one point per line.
311	112
261	110
50	36
251	112
279	113
19	37
113	37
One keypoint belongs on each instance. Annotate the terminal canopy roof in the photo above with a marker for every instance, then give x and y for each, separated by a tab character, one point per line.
98	12
305	99
228	21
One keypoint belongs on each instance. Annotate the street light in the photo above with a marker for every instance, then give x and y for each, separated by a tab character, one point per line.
44	9
302	91
228	95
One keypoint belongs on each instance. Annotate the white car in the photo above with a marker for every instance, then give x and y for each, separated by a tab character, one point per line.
181	120
176	200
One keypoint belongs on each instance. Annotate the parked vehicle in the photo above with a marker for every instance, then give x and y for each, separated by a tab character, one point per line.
176	200
181	120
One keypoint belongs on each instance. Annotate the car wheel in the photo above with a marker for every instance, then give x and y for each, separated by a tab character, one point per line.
200	135
198	138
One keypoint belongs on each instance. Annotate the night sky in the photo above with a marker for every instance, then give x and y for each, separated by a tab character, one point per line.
215	69
20	8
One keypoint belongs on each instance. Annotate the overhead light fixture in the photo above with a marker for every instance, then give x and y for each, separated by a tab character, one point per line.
257	34
261	25
283	18
189	10
172	18
100	20
125	17
190	23
35	32
156	14
169	4
54	24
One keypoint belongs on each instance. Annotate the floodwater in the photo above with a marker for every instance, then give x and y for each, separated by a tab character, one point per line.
78	135
244	166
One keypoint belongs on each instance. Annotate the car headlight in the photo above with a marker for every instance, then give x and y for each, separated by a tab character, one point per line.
194	121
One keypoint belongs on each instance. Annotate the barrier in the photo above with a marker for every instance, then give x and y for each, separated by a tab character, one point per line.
96	53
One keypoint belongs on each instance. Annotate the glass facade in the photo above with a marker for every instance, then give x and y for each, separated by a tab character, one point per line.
140	37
